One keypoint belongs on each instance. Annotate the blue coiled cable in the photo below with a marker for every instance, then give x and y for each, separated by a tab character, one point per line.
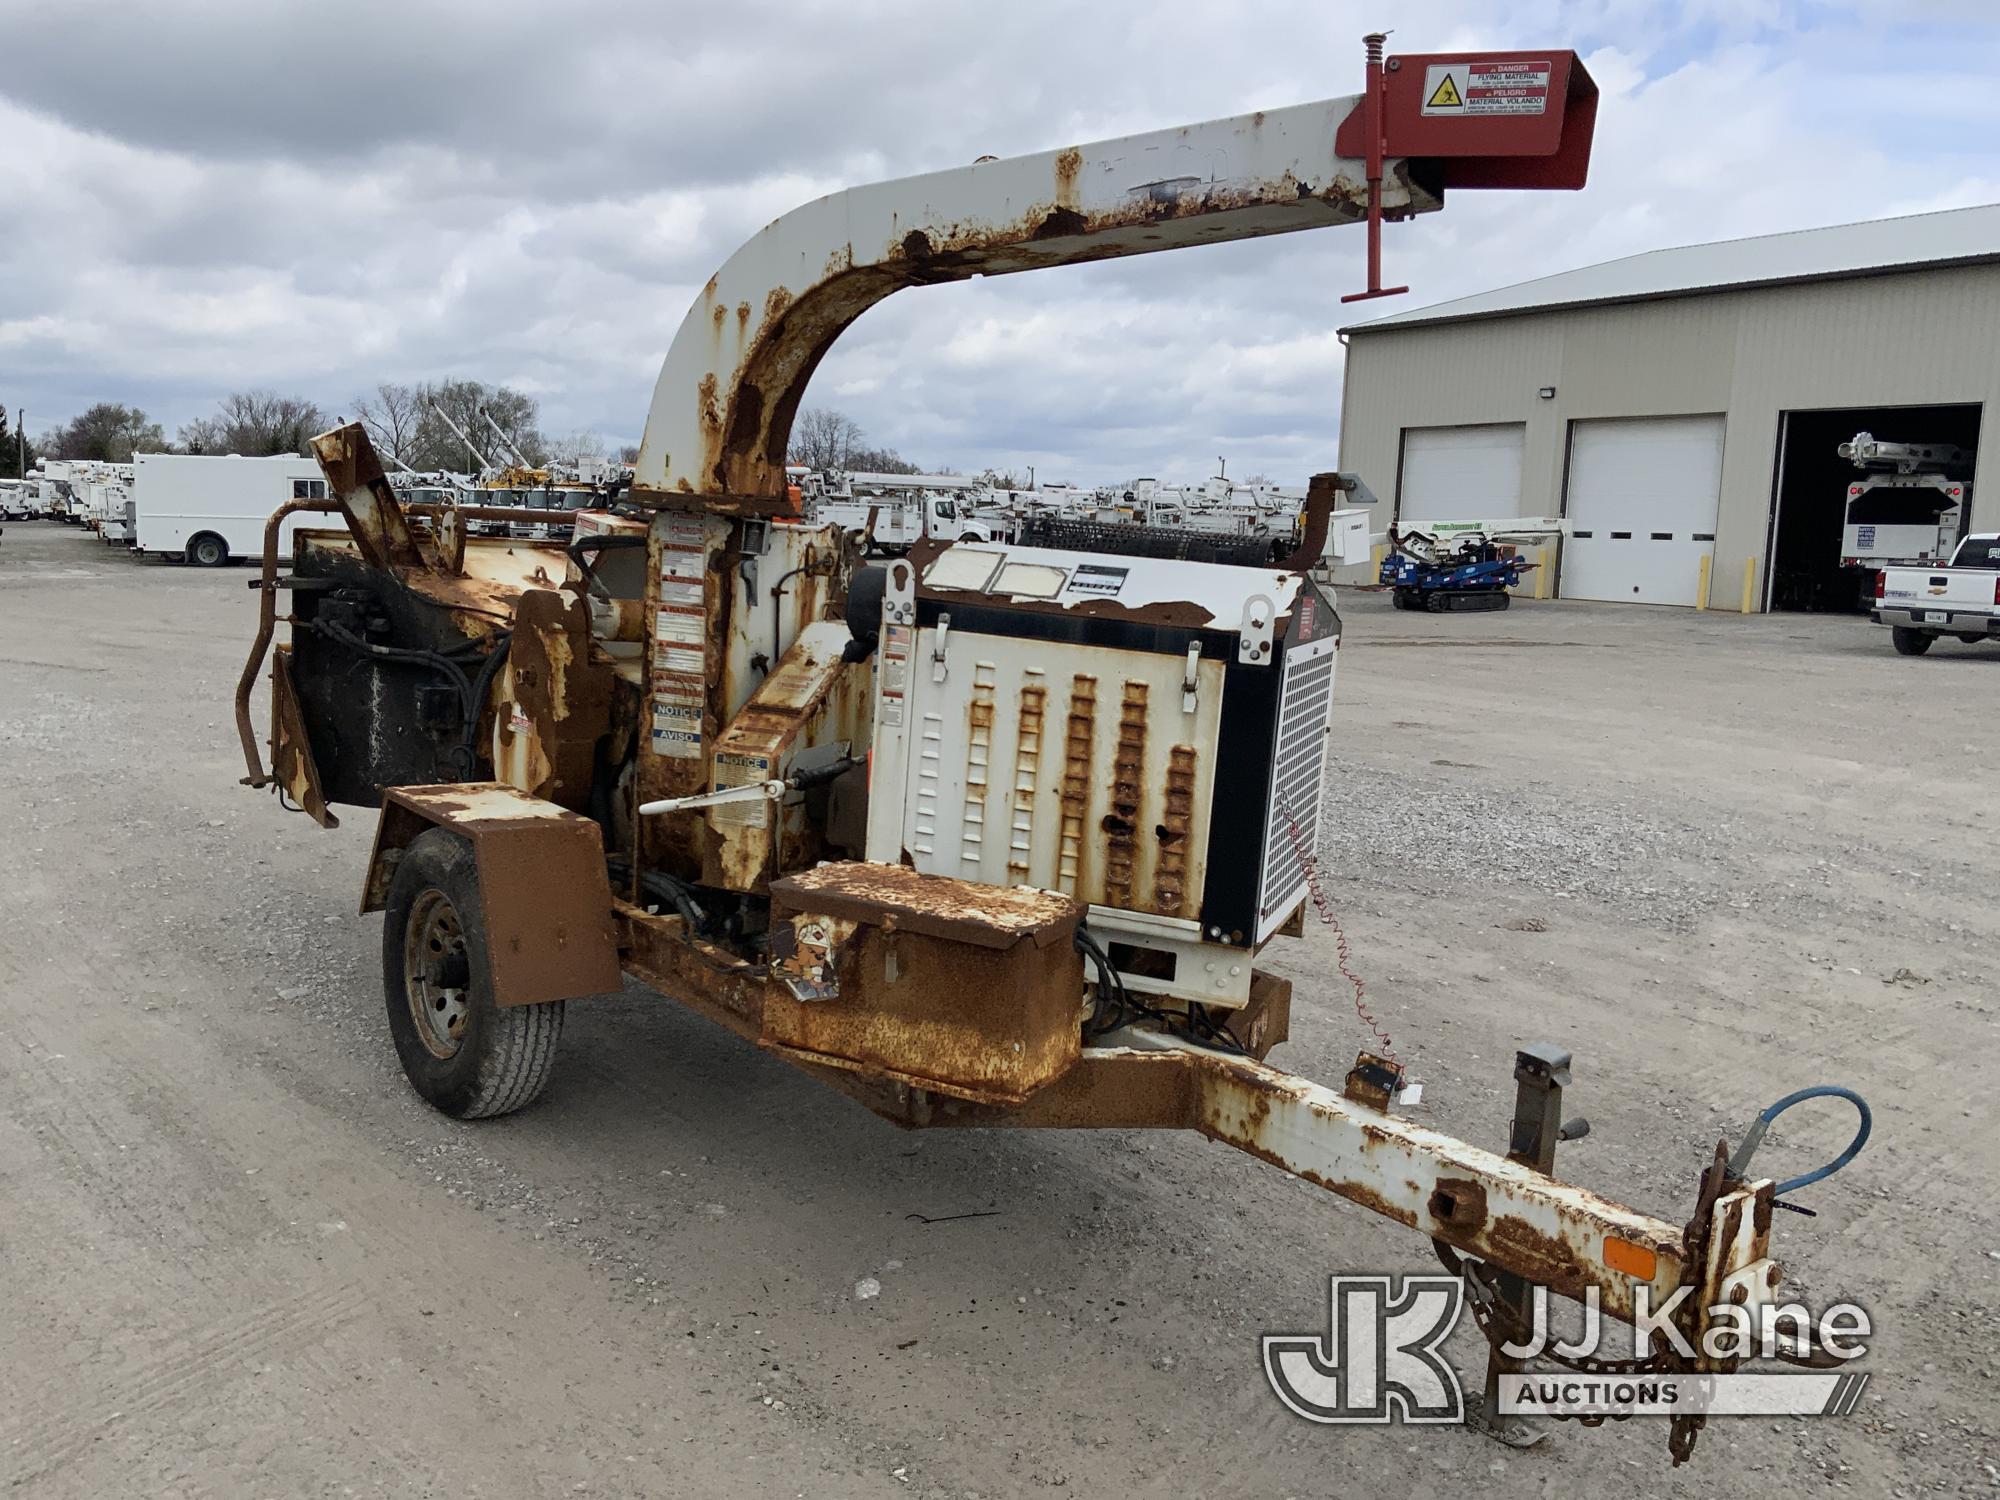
1754	1136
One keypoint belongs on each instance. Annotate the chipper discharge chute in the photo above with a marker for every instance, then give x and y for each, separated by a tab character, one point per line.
989	836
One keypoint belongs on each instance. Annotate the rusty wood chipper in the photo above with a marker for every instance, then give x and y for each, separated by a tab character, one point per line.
990	836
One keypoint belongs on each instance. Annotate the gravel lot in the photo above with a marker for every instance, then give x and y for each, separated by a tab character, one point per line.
1718	857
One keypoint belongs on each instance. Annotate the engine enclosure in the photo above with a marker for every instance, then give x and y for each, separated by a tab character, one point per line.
1147	736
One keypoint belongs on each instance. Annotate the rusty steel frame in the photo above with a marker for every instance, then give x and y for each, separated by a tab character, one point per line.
1567	1238
1475	1200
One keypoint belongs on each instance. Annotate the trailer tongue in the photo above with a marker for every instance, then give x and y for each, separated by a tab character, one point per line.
992	836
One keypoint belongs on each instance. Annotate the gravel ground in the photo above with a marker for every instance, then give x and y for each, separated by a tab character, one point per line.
241	1258
1451	826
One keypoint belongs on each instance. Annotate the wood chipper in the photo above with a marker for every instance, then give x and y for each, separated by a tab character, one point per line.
991	835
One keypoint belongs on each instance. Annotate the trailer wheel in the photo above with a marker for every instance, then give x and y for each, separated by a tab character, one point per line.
468	1057
207	550
1970	638
1910	642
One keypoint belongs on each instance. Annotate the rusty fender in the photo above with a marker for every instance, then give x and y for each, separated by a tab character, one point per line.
550	927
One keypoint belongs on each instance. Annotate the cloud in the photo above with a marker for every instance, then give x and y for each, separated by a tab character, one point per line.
228	194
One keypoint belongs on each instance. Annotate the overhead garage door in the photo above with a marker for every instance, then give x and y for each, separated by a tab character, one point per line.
1641	508
1461	473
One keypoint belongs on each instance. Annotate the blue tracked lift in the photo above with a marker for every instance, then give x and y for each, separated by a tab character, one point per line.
1469	573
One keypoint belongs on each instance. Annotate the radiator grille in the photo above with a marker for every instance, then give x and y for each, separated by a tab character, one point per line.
1298	779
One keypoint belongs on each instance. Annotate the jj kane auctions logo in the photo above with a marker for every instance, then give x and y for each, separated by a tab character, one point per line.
1380	1359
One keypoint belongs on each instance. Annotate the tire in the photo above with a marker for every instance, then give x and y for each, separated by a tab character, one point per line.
469	1058
207	551
1910	642
1970	638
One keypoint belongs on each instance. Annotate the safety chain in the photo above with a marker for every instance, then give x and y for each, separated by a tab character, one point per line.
1501	1324
1343	954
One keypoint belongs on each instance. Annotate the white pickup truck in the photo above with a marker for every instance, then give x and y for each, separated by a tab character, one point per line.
1960	598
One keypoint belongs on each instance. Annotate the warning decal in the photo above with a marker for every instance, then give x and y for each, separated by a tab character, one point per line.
893	675
680	638
1486	88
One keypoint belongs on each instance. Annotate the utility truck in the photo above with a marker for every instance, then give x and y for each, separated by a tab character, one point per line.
207	510
986	836
893	512
1910	504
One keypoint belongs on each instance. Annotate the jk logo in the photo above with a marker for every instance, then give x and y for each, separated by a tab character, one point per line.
1378	1361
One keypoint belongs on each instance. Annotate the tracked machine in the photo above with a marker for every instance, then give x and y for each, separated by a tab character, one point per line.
992	835
1473	571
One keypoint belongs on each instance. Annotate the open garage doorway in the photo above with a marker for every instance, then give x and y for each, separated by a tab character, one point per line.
1810	506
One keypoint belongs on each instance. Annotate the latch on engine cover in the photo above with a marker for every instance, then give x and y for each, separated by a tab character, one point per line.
939	640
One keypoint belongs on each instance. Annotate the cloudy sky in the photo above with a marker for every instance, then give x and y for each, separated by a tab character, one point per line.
207	195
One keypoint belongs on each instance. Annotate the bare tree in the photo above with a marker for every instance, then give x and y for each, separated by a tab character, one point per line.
579	447
391	417
823	438
880	461
203	435
256	424
629	454
468	403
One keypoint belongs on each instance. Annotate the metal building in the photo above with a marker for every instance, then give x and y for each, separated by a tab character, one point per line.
1681	409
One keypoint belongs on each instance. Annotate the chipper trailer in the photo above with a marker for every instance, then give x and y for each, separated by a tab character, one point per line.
991	835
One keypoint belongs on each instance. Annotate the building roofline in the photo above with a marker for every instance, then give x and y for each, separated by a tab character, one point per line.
1442	313
1670	294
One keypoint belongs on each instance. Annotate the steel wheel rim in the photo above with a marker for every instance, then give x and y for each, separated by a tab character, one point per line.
437	974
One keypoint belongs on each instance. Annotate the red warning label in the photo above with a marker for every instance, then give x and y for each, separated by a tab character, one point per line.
1486	88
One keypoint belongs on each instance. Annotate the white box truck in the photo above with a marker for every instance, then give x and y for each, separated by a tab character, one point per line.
207	510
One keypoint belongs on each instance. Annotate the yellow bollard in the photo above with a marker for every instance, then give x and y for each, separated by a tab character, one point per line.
1701	586
1541	572
1749	582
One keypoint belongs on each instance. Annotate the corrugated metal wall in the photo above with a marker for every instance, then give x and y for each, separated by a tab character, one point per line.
1915	338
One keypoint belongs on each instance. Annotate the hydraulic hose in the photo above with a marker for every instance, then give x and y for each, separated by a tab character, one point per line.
1754	1136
